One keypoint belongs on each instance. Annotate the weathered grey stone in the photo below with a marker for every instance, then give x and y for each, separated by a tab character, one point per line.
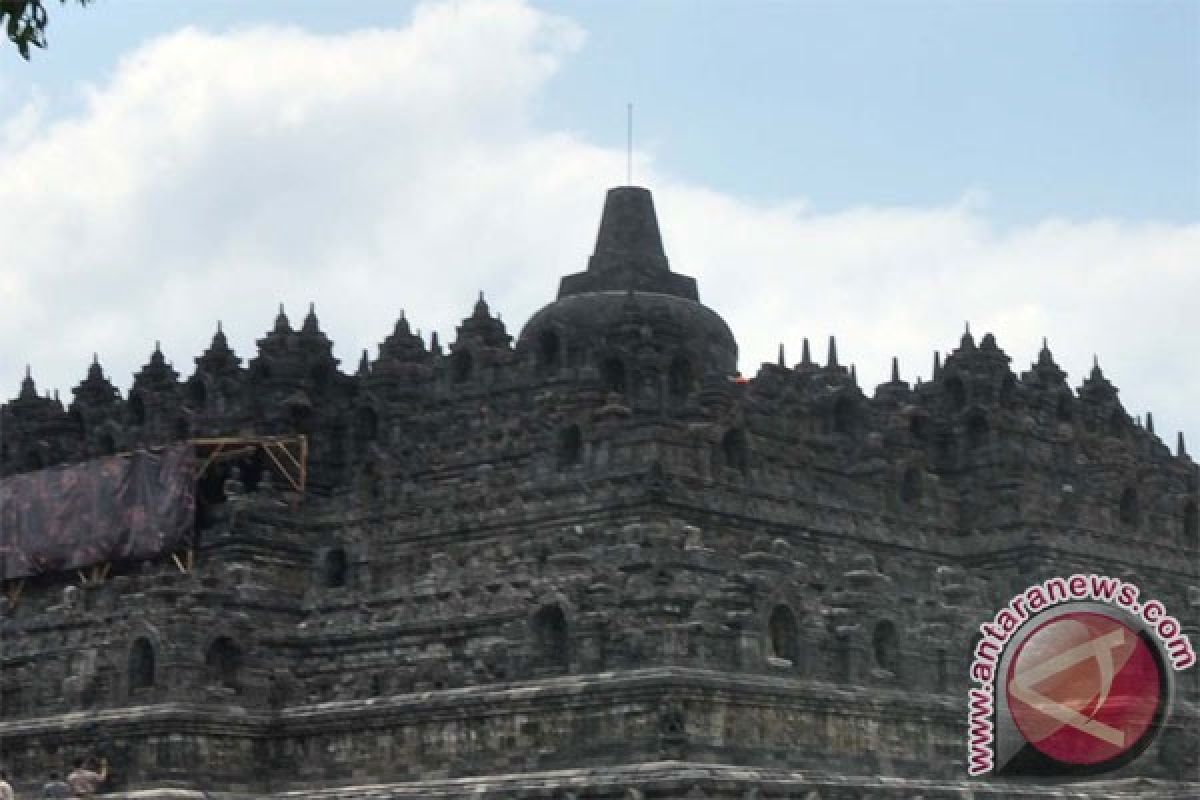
590	564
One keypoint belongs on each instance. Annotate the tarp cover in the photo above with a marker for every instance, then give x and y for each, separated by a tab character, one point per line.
120	507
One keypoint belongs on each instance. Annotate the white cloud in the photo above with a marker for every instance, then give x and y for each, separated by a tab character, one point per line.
212	176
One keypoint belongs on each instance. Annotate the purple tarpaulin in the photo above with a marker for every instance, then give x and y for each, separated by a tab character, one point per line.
120	507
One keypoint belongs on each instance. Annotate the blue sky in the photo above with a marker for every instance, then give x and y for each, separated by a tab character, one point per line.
878	171
1076	109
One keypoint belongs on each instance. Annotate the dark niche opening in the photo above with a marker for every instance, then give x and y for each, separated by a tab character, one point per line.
33	459
956	393
1130	509
252	469
550	637
570	447
106	444
76	423
320	373
883	642
910	486
302	419
1191	524
334	567
549	348
461	366
137	410
733	449
366	425
1008	391
844	415
918	426
224	663
197	393
782	634
1064	410
141	664
977	431
679	380
181	429
612	374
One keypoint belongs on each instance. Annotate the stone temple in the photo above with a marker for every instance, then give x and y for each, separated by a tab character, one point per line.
588	563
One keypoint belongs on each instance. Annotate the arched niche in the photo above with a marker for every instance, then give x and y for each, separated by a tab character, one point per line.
884	644
956	393
137	409
197	393
550	639
77	424
918	426
733	450
1130	508
366	424
612	374
570	447
680	380
1064	408
549	351
223	663
978	431
334	568
1117	422
462	365
783	634
845	415
142	664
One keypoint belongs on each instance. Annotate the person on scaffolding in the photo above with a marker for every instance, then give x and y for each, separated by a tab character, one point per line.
84	780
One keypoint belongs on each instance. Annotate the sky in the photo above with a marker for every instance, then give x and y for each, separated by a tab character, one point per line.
884	172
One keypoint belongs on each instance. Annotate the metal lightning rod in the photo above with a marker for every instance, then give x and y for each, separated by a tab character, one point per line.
629	145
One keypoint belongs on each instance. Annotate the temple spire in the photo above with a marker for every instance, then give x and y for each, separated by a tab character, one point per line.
805	354
629	251
310	320
895	369
28	387
782	360
937	365
1149	422
832	360
1180	447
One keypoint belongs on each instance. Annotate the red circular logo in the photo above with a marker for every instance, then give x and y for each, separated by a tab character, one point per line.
1084	688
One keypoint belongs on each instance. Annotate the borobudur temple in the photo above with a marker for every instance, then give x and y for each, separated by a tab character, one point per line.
593	563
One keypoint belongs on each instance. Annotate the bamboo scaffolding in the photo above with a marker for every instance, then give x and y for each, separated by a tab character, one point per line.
288	454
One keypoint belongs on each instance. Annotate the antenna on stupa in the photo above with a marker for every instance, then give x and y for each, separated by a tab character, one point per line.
629	144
